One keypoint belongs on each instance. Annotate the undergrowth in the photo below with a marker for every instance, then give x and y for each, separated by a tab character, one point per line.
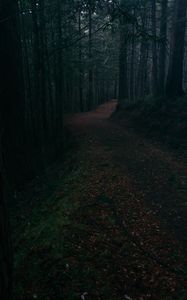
165	119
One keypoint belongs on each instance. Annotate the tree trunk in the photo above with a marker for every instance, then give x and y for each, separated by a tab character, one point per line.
80	67
11	128
123	80
6	261
12	105
132	71
90	71
59	83
154	50
37	128
43	95
163	47
27	73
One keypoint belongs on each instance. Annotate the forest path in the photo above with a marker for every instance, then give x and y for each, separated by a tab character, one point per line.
145	189
155	174
111	223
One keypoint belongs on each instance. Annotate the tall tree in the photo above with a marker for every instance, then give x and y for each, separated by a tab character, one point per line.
12	127
80	61
163	46
60	80
154	49
132	62
123	80
6	261
90	56
12	89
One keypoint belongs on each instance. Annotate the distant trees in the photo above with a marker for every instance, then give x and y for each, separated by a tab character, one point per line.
155	42
63	45
59	63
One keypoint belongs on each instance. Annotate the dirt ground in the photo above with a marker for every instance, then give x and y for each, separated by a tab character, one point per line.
114	227
145	183
157	174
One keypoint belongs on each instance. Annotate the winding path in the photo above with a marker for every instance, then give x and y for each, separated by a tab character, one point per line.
133	198
158	176
107	223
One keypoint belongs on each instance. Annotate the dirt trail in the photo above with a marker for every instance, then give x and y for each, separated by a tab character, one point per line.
156	175
135	192
111	224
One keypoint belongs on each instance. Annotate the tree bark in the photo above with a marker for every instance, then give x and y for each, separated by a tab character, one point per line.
12	102
132	71
60	87
80	66
154	50
6	261
123	78
163	47
37	119
90	71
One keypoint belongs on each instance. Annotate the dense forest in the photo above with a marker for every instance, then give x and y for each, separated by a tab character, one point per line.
60	59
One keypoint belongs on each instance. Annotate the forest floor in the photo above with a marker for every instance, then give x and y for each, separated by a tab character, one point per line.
109	223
